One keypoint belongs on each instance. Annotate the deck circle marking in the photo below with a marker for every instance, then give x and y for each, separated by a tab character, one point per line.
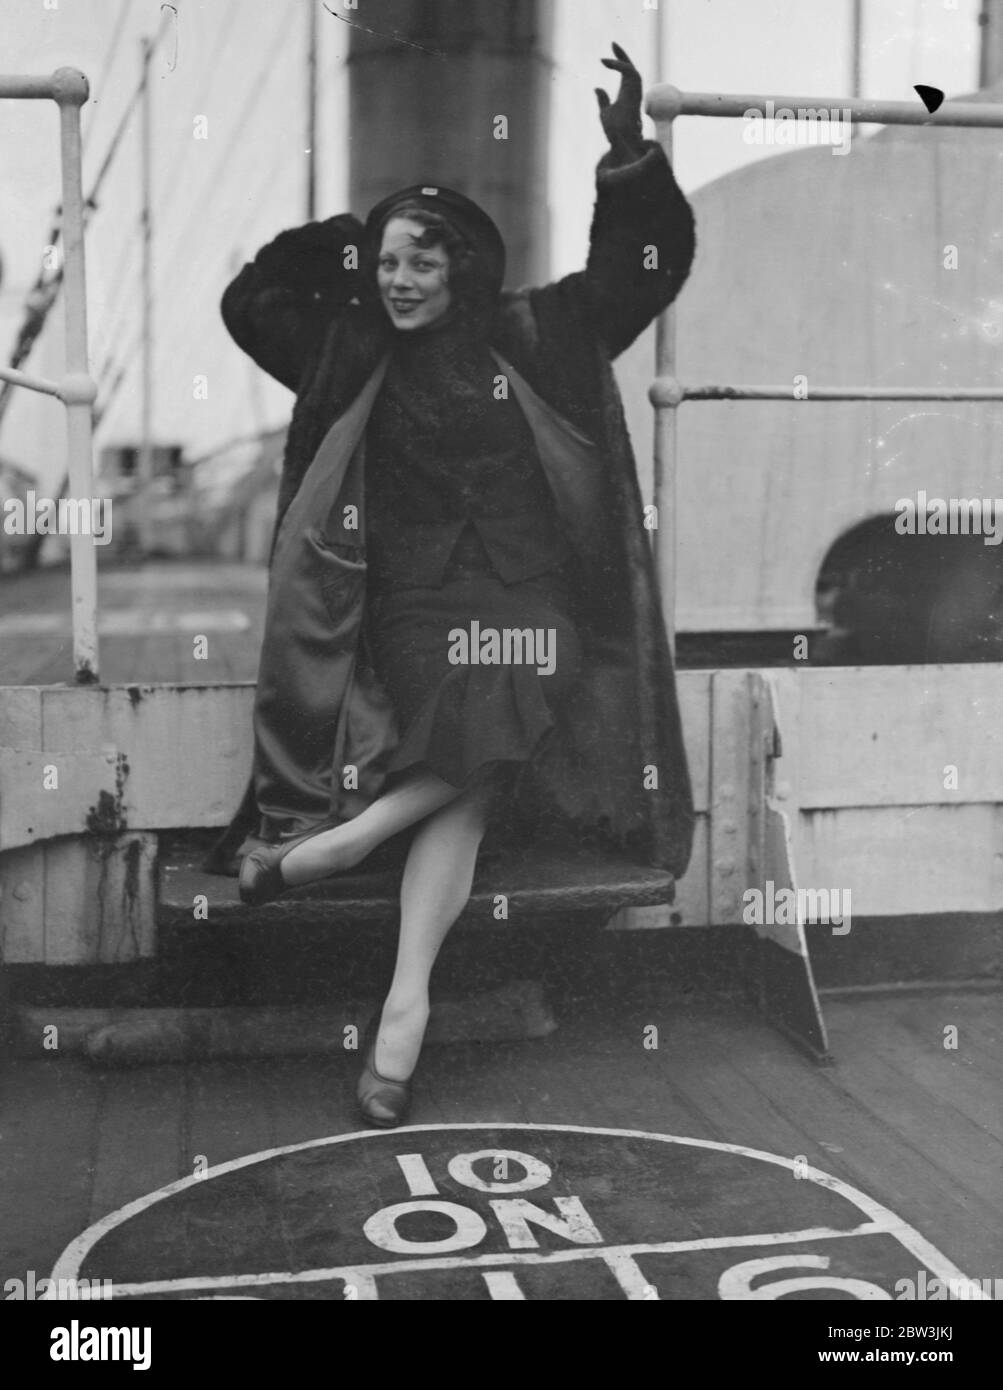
495	1210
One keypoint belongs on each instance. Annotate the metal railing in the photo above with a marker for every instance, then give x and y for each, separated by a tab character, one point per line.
77	390
664	105
69	89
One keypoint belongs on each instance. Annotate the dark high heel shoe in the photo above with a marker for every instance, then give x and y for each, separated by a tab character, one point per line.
260	877
382	1102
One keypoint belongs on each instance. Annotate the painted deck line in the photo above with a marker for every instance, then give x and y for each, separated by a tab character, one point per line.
68	1264
130	622
618	1254
504	1289
625	1271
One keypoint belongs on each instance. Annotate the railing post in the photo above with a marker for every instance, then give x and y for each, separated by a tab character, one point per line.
70	91
666	397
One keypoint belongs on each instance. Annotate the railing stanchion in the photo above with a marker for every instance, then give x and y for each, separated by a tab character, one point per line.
77	388
663	399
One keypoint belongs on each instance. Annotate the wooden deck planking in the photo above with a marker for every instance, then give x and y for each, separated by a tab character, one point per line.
79	1142
537	1081
860	1147
312	1101
829	1106
471	1082
156	658
962	1150
39	660
940	1077
48	1136
590	1074
734	1111
235	655
230	1112
222	659
147	1101
933	1129
978	1033
45	657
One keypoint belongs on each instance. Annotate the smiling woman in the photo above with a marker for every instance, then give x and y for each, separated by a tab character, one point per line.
439	252
413	271
457	460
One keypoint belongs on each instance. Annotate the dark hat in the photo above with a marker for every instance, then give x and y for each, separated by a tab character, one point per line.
469	220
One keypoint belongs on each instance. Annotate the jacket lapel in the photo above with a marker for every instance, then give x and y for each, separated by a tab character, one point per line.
570	461
323	480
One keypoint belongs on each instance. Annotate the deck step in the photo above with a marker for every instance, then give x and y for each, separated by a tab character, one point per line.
145	1036
544	880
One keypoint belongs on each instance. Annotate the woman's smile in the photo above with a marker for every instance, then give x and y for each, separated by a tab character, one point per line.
413	280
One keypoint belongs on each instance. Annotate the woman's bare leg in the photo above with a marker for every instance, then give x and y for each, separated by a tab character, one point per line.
435	889
347	845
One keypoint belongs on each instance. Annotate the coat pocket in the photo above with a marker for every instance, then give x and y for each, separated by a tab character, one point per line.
339	572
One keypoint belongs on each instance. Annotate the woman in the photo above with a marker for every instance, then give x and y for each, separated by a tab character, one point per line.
462	610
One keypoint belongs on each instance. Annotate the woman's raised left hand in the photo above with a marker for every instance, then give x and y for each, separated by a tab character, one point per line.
621	119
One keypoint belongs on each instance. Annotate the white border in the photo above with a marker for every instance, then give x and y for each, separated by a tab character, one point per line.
882	1221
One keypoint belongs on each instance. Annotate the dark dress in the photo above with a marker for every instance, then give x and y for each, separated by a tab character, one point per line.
461	528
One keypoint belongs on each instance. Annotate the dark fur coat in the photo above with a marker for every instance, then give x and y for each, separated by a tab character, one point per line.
302	312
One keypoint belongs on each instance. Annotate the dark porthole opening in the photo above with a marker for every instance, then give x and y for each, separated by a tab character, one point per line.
884	598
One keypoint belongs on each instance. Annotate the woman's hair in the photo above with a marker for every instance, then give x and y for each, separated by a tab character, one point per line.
472	292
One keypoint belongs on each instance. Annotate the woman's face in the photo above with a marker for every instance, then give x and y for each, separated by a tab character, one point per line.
413	281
